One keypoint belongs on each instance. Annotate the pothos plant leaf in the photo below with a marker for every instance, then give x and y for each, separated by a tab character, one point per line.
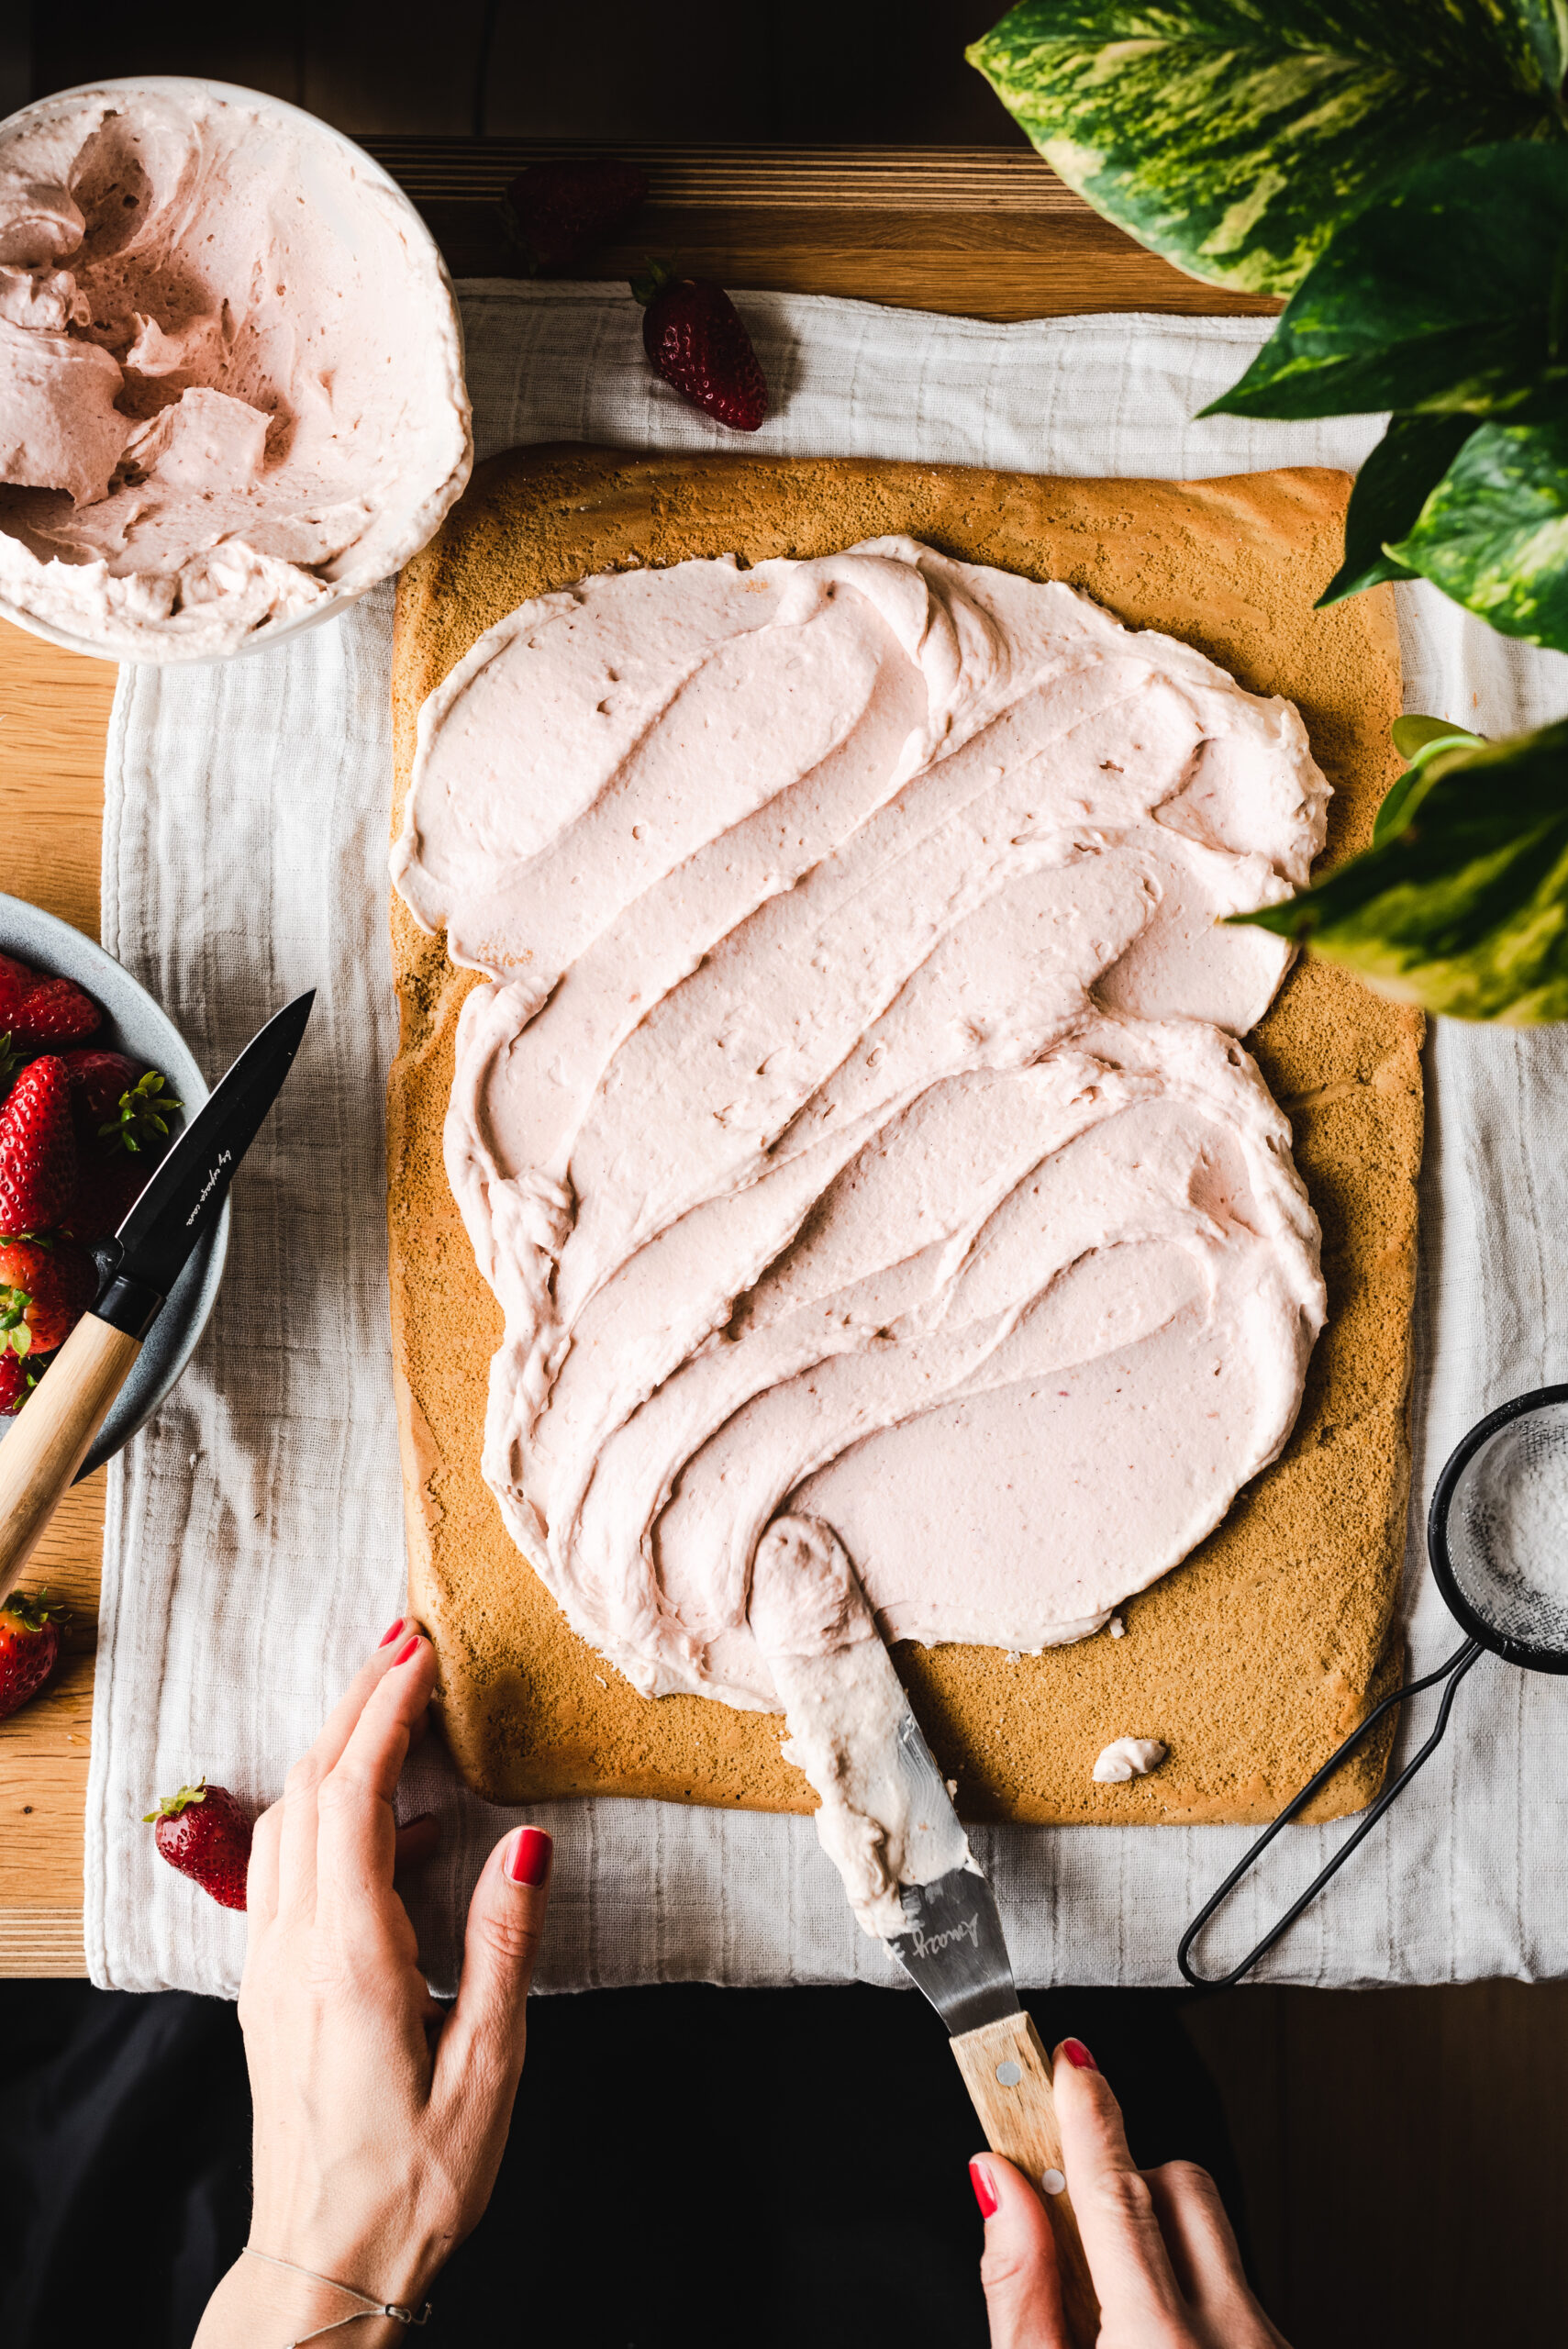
1418	740
1464	910
1442	296
1232	135
1494	533
1390	491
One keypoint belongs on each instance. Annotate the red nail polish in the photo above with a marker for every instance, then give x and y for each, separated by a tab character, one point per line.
1078	2055
387	1637
985	2193
405	1653
528	1860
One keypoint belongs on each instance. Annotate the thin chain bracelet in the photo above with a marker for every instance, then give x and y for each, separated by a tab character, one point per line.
367	2307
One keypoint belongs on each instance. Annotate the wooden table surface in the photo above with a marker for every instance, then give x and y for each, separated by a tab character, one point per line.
982	232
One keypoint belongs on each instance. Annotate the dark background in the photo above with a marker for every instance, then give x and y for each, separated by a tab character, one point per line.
789	73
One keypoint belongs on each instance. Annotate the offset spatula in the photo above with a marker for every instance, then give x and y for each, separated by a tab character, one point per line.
886	1819
954	1950
183	1196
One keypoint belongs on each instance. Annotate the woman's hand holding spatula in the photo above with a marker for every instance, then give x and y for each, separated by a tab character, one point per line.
1164	2262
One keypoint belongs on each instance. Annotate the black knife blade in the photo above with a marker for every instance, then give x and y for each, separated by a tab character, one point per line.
185	1193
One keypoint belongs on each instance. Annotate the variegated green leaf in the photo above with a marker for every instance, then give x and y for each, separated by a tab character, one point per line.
1232	135
1439	297
1494	533
1390	491
1418	740
1466	908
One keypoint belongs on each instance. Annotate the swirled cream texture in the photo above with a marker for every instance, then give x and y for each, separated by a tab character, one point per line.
853	1124
230	369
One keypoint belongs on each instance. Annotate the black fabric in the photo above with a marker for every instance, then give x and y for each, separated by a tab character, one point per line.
783	2167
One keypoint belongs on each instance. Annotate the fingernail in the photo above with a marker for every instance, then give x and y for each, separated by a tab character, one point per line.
388	1636
984	2192
1078	2055
405	1653
529	1859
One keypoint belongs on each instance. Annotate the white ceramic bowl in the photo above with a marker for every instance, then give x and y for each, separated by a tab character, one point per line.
133	1023
430	270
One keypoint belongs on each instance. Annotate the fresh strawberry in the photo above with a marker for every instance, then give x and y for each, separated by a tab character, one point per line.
45	1288
55	1011
106	1190
118	1104
16	983
99	1079
203	1832
38	1149
16	1379
30	1643
693	333
555	212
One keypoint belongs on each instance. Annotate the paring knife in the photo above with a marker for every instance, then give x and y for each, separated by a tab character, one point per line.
887	1821
183	1198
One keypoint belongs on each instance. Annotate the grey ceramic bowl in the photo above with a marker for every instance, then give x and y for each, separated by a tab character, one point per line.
133	1023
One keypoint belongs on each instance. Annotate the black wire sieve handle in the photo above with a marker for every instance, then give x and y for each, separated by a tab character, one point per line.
1453	1671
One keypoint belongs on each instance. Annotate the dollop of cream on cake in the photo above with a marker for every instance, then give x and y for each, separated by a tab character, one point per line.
230	369
853	1124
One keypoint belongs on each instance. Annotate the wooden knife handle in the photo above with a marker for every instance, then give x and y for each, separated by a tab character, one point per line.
1008	2074
48	1440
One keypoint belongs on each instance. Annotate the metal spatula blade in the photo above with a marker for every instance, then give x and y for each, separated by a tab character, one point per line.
951	1945
953	1949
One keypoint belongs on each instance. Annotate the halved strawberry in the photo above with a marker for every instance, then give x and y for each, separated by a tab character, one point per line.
38	1149
46	1285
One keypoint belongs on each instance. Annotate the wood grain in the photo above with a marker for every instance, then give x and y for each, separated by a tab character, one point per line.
44	1449
982	232
1008	2076
54	719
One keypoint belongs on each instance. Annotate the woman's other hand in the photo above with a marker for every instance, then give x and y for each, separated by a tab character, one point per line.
1159	2245
379	2124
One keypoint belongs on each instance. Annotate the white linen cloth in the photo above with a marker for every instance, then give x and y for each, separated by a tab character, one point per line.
254	1544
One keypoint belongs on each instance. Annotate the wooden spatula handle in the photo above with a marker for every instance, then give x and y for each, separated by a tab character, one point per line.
1008	2074
48	1440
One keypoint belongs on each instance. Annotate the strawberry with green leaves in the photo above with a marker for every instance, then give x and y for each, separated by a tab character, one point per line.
46	1285
203	1832
17	1378
31	1623
117	1102
38	1149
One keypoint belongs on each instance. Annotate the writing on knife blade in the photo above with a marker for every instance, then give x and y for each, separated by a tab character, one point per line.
225	1158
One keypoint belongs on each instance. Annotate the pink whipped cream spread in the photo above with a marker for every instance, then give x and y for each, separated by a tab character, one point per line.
230	371
852	1124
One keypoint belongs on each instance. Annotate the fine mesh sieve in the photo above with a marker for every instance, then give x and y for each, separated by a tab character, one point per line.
1498	1539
